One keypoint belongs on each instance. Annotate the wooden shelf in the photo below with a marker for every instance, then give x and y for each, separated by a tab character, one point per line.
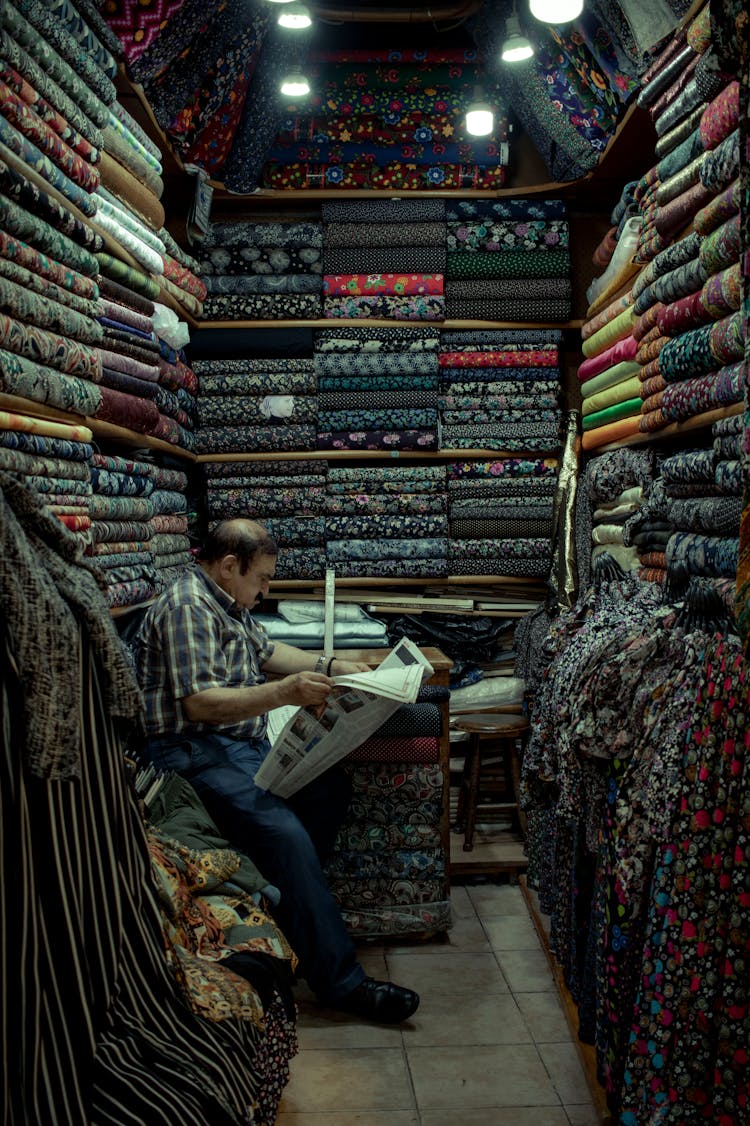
100	429
368	322
375	455
674	430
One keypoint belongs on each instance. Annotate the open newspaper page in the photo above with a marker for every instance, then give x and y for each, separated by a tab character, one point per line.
309	743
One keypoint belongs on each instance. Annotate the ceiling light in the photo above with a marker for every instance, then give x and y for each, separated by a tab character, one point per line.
556	11
295	85
296	17
480	119
279	1
516	47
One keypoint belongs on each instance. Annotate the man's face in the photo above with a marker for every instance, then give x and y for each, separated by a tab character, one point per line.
247	589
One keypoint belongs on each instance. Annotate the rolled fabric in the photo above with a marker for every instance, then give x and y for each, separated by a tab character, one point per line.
602	256
121	409
611	432
617	329
619	305
687	312
622	392
646	321
626	408
622	351
609	378
721	117
27	424
23	377
720	208
721	165
131	191
722	293
722	247
679	212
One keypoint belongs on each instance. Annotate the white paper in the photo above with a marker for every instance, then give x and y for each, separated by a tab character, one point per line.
309	742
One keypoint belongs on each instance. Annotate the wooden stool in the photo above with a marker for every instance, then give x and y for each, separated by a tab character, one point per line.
501	729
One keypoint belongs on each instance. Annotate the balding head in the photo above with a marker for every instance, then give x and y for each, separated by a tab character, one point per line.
244	539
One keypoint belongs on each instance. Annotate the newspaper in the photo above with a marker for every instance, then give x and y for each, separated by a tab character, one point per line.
310	740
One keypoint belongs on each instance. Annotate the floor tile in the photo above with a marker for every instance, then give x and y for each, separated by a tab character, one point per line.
544	1016
324	1028
466	934
490	899
566	1071
584	1115
450	972
444	1019
511	932
461	904
497	1116
362	1079
479	1076
526	971
354	1118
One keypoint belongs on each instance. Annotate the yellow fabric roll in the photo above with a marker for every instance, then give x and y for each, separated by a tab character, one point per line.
618	393
74	433
617	329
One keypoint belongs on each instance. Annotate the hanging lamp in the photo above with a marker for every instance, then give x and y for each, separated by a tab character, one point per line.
295	86
296	17
516	47
556	11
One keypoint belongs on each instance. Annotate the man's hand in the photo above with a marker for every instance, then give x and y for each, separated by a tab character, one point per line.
304	689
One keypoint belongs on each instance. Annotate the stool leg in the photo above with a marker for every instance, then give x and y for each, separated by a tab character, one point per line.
463	787
472	795
515	774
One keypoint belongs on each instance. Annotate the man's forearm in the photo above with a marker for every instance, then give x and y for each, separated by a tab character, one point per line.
232	705
287	659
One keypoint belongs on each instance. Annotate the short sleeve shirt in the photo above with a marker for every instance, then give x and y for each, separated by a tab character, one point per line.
195	637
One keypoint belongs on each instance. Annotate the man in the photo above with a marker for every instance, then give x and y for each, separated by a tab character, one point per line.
202	661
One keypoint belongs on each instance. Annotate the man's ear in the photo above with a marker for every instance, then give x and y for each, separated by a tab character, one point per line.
228	566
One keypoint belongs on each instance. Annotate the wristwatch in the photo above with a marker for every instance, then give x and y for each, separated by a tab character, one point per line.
320	663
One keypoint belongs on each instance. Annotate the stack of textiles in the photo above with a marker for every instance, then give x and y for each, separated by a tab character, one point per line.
144	385
52	458
377	388
302	623
698	147
500	515
388	521
388	119
256	405
508	260
388	868
613	375
372	252
287	496
498	390
615	486
170	543
700	506
262	271
122	508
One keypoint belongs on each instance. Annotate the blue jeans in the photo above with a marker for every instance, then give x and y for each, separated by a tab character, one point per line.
288	839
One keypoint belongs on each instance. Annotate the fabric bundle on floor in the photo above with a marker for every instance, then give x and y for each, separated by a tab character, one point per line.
508	260
500	515
387	120
388	867
388	520
498	390
52	459
262	271
384	259
377	388
256	405
288	496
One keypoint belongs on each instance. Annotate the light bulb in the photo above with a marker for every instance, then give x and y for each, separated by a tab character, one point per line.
295	86
296	17
556	11
516	47
480	120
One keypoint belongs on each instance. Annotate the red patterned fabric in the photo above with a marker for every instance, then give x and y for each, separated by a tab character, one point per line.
522	359
138	22
397	285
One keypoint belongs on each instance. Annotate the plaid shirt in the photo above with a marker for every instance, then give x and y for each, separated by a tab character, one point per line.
196	637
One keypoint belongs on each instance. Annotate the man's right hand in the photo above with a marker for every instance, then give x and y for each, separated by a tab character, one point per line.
304	689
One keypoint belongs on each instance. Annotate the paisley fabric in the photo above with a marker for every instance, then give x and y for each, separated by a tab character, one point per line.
30	380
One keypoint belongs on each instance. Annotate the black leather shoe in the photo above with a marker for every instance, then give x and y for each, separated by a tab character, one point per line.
381	1001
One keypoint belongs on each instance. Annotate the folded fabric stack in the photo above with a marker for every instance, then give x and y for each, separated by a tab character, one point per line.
615	487
500	515
256	405
176	396
612	376
508	260
377	388
372	252
499	390
262	271
388	867
52	459
287	496
121	509
388	521
383	119
301	623
169	543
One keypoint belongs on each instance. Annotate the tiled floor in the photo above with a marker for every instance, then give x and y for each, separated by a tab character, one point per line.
488	1046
